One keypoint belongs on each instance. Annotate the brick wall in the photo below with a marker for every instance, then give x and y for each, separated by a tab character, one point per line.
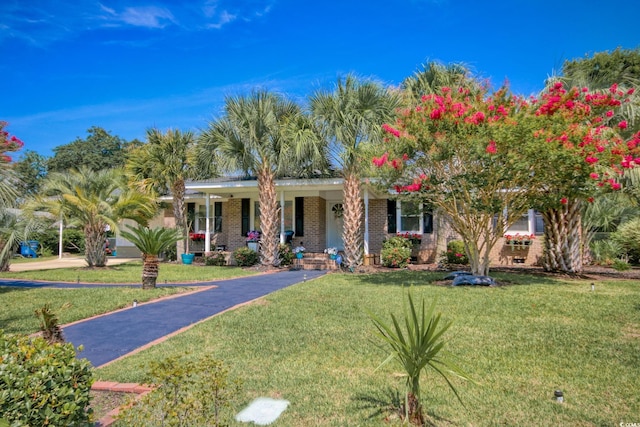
377	224
232	224
315	225
507	255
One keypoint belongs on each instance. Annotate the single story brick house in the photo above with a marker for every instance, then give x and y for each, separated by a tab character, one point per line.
227	209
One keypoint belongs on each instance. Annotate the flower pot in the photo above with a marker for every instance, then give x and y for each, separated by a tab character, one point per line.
333	256
253	246
299	255
187	258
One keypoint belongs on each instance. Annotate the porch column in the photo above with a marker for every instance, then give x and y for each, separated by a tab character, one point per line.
282	238
60	234
366	221
207	239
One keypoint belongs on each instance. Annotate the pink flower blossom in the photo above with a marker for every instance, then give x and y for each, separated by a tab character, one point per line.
590	199
631	91
491	148
615	186
379	161
594	175
564	201
390	129
623	124
591	160
610	113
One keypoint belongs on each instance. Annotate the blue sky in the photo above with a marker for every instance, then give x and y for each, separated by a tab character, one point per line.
128	65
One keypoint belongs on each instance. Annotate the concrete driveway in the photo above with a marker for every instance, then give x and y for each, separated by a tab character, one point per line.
64	262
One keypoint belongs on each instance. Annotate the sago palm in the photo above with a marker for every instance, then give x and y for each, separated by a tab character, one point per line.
417	345
151	242
349	117
95	202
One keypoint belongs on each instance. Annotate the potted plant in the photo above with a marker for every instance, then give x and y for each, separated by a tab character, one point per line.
187	257
299	251
253	239
332	252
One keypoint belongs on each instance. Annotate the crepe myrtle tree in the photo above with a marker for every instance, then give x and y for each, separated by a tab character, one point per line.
456	150
495	155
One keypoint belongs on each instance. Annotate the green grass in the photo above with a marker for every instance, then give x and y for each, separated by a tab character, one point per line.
131	272
17	305
314	345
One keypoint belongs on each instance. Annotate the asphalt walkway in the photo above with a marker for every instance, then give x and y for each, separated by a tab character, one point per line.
106	338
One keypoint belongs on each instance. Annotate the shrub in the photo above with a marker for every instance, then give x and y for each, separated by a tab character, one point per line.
188	393
620	265
417	347
49	326
628	237
397	242
43	384
604	252
455	253
245	257
395	257
217	259
285	254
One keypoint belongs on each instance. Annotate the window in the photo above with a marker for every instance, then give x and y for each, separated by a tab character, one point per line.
411	217
288	216
530	223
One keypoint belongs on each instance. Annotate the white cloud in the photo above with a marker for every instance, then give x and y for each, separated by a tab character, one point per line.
150	17
224	18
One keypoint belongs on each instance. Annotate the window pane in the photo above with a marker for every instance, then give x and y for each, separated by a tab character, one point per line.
410	216
256	216
521	225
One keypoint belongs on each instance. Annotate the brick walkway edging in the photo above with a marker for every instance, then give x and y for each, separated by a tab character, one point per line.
133	388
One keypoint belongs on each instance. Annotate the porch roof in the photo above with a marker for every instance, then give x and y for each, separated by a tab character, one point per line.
227	188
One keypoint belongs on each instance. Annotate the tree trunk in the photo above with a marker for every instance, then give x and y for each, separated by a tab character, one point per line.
5	261
414	410
94	245
352	214
150	267
179	215
268	217
562	239
442	228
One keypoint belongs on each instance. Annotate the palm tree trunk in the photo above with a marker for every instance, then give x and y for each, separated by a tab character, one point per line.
5	258
150	267
268	217
352	214
562	239
178	191
95	237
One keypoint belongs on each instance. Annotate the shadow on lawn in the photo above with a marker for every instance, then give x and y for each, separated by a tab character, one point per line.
390	402
436	278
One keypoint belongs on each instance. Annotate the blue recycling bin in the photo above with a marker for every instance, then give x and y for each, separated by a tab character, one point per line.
29	249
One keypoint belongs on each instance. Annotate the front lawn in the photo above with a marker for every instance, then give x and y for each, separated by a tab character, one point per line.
314	345
17	305
131	272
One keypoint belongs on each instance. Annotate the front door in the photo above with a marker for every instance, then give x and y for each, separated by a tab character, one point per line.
334	224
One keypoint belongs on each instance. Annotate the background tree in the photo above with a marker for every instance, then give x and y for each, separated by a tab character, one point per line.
350	117
151	242
99	150
17	227
30	170
601	70
254	137
96	202
163	165
8	144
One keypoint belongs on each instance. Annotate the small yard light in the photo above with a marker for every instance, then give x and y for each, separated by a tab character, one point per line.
559	396
78	280
135	302
593	287
304	278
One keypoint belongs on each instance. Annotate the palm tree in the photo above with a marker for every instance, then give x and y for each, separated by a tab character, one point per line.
255	137
434	76
16	228
151	242
349	117
164	164
95	201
